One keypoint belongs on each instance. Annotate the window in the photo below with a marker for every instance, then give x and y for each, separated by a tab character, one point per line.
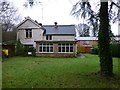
48	37
65	47
86	43
28	33
45	47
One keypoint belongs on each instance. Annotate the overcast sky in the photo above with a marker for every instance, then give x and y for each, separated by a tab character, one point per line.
51	11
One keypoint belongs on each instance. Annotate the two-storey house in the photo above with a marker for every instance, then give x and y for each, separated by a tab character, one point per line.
49	40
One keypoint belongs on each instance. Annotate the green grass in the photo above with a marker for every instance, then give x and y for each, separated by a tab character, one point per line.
39	72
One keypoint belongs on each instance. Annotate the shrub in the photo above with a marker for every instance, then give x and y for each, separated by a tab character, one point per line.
115	47
23	50
94	50
82	49
19	49
29	49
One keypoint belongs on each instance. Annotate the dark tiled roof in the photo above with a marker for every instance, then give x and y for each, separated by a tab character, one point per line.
60	29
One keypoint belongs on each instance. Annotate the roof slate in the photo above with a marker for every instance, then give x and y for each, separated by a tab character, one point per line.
61	29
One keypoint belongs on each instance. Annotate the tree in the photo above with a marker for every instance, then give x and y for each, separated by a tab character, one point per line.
8	15
19	48
106	64
31	3
83	30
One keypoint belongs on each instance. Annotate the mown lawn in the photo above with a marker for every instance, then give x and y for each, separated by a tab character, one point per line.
39	72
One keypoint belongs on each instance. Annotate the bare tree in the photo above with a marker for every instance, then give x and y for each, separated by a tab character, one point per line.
8	15
83	30
31	3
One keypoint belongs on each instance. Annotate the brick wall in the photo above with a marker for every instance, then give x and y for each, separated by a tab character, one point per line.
85	48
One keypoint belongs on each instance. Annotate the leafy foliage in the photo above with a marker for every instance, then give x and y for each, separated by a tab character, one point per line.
29	49
22	50
94	50
19	48
115	47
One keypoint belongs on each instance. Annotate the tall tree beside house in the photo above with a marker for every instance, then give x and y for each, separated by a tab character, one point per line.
84	9
106	62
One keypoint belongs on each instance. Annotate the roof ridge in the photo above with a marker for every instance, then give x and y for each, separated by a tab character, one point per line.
59	25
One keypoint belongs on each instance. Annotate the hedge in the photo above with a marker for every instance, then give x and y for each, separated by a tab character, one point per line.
115	47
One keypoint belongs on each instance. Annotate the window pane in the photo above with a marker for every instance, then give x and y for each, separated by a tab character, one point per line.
71	49
63	45
47	49
59	49
40	49
71	45
67	49
44	49
46	37
26	33
30	32
50	37
63	49
40	44
51	49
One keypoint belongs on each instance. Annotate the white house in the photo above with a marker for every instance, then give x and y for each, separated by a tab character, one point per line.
50	40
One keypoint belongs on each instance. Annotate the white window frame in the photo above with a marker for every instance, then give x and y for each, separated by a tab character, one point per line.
49	45
28	33
69	46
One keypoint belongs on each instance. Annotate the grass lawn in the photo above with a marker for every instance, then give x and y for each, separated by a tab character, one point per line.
39	72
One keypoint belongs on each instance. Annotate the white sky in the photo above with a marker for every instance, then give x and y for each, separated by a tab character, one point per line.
53	11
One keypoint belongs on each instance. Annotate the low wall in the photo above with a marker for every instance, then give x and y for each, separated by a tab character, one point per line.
56	54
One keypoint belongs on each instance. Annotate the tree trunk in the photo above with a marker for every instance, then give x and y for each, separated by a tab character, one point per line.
106	64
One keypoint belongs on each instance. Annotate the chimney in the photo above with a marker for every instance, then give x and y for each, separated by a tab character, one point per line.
36	21
56	26
40	24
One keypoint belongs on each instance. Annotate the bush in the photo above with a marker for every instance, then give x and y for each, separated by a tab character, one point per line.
29	49
115	47
23	50
19	49
94	50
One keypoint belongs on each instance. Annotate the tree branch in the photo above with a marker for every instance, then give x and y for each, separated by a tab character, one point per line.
116	5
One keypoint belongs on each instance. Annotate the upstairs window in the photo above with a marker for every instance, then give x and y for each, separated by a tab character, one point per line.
48	37
28	33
